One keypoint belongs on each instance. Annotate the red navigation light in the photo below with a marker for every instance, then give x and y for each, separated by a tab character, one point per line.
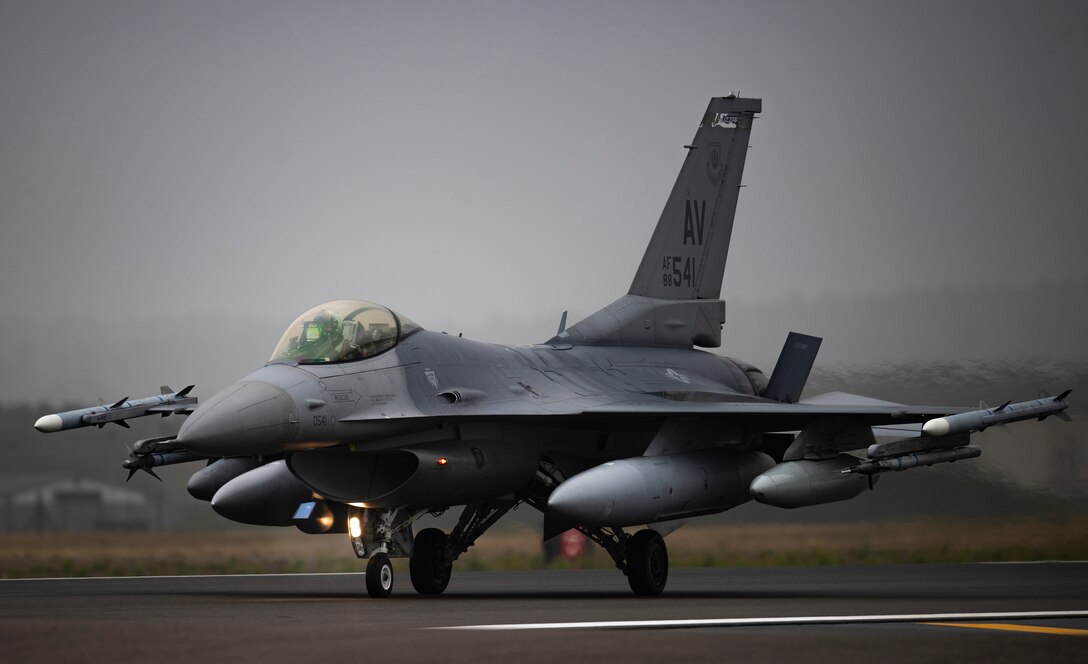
443	461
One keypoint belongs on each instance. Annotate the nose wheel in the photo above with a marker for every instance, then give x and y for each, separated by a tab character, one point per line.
379	576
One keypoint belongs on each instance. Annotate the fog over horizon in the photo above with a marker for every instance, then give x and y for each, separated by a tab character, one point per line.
180	180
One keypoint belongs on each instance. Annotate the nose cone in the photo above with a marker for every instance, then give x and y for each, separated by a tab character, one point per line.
762	487
247	418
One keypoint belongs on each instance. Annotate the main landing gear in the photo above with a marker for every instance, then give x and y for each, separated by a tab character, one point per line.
642	557
647	563
430	566
381	533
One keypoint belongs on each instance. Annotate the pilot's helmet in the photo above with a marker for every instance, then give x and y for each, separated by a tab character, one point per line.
329	324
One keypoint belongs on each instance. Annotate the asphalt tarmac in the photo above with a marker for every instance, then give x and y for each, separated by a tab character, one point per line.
1000	612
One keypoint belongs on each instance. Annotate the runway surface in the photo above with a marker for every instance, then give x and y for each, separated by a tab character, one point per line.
810	614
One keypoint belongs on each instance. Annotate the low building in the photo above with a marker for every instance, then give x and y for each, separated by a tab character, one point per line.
51	502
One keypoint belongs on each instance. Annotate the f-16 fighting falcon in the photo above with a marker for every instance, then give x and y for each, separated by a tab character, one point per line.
362	421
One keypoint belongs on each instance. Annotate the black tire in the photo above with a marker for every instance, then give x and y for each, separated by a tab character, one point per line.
379	576
428	567
647	563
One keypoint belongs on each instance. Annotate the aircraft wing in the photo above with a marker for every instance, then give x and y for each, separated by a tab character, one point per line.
758	415
886	418
830	422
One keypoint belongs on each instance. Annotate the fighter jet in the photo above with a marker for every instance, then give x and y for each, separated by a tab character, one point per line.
362	421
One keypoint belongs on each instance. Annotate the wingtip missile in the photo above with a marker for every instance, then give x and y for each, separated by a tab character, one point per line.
979	420
117	412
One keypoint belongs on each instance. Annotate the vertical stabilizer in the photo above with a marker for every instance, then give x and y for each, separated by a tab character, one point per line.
675	298
685	259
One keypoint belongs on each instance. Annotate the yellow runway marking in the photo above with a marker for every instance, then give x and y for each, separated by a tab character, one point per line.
1035	629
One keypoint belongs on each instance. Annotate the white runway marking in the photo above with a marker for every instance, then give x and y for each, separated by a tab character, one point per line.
781	620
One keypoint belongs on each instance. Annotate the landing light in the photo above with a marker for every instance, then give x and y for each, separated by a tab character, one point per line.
355	527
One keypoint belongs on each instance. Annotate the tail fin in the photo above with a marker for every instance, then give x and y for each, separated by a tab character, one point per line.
685	259
675	297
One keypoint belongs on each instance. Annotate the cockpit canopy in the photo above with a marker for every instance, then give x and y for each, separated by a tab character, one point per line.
342	331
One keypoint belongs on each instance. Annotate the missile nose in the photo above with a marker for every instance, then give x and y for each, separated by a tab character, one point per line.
48	423
937	427
247	418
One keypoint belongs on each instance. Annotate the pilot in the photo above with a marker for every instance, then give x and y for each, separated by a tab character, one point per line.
321	337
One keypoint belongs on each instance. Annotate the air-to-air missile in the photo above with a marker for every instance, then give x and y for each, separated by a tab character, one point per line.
978	420
164	404
945	439
914	460
153	452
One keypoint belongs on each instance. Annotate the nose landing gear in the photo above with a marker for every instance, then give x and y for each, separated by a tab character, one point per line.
379	533
379	576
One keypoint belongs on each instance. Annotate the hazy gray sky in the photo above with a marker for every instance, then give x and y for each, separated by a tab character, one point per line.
178	180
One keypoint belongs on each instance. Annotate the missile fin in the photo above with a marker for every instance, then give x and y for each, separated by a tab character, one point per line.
185	391
152	473
165	389
120	423
1001	407
119	403
1063	395
1063	416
